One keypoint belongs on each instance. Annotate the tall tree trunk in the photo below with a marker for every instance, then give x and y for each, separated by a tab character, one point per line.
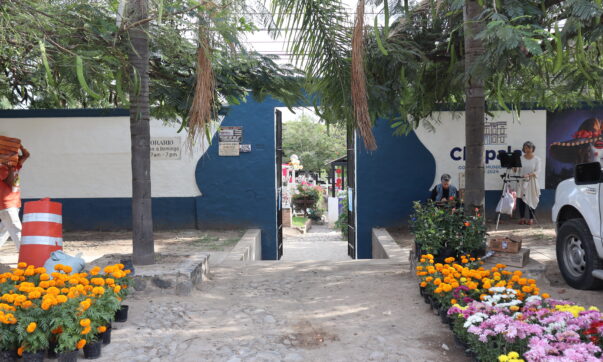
475	108
142	218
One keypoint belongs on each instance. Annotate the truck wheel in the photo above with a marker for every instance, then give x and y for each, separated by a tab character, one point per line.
577	256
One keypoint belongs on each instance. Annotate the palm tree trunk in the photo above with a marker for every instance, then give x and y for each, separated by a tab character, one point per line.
142	218
475	108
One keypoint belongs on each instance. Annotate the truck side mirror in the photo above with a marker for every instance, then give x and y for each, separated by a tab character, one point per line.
587	173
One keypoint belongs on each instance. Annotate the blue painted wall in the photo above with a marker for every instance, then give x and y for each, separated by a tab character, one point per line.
240	191
388	180
116	213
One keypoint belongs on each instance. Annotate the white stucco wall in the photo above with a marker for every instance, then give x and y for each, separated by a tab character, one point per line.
89	157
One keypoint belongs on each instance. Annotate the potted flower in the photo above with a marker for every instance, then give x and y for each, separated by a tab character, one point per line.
34	340
8	335
119	282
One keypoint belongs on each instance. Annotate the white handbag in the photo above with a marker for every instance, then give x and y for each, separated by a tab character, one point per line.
506	204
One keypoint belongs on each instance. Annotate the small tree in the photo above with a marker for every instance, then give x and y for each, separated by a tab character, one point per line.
313	142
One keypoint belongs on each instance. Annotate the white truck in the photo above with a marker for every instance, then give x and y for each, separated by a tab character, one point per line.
578	219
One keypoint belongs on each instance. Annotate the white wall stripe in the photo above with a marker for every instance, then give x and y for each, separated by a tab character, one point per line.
41	240
43	217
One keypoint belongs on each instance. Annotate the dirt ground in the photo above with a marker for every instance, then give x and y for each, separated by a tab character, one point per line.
93	244
541	241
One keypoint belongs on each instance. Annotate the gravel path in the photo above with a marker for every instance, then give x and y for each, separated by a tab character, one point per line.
288	311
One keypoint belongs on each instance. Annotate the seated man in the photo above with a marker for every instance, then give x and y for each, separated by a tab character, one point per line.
444	191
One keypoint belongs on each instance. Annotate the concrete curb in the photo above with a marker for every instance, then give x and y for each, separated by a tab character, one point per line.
384	247
249	248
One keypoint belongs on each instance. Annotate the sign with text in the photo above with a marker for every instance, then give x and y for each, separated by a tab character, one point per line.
166	148
228	149
504	131
231	134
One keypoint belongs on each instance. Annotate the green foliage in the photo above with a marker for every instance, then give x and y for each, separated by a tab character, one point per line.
299	221
438	227
342	220
313	143
72	54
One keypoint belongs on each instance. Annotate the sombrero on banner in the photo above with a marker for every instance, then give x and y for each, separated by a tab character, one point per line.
577	150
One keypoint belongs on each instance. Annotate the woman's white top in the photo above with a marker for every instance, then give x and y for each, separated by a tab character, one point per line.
533	165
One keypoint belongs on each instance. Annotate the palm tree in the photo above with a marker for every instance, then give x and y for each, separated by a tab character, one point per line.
475	107
142	218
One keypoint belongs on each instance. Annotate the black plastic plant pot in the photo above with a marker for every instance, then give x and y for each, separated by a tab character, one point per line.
121	315
435	306
422	291
50	352
69	356
9	356
34	356
444	315
105	337
92	350
426	298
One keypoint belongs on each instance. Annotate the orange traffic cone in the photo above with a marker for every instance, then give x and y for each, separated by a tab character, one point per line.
42	231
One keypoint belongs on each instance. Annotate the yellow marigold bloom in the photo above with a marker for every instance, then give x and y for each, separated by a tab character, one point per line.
98	290
62	298
85	322
80	344
31	327
117	289
101	329
44	277
18	272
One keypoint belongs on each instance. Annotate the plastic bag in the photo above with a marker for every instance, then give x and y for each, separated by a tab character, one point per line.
506	204
76	263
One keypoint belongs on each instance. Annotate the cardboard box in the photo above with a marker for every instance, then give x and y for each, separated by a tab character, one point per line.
519	259
505	244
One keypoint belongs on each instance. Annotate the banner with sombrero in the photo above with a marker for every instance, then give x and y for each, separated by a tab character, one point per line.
572	137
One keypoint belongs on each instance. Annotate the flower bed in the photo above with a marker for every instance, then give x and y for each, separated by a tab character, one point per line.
497	314
60	309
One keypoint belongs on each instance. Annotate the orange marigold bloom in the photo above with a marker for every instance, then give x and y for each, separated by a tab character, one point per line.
62	298
80	344
67	269
85	322
101	329
546	295
20	349
423	284
26	304
453	301
95	270
57	330
31	327
86	330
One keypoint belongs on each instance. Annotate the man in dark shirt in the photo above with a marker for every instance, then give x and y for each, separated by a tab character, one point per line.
444	191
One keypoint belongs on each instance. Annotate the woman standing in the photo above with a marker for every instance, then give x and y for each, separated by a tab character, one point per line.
528	194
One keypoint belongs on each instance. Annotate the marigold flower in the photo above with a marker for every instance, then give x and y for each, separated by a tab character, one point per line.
20	349
101	329
423	284
86	330
80	344
57	330
95	270
85	322
545	295
31	327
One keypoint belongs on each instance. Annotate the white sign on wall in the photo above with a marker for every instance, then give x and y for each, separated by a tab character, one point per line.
166	148
502	132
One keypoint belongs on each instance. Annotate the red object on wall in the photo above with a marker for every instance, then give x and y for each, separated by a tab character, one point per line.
42	231
338	182
338	170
